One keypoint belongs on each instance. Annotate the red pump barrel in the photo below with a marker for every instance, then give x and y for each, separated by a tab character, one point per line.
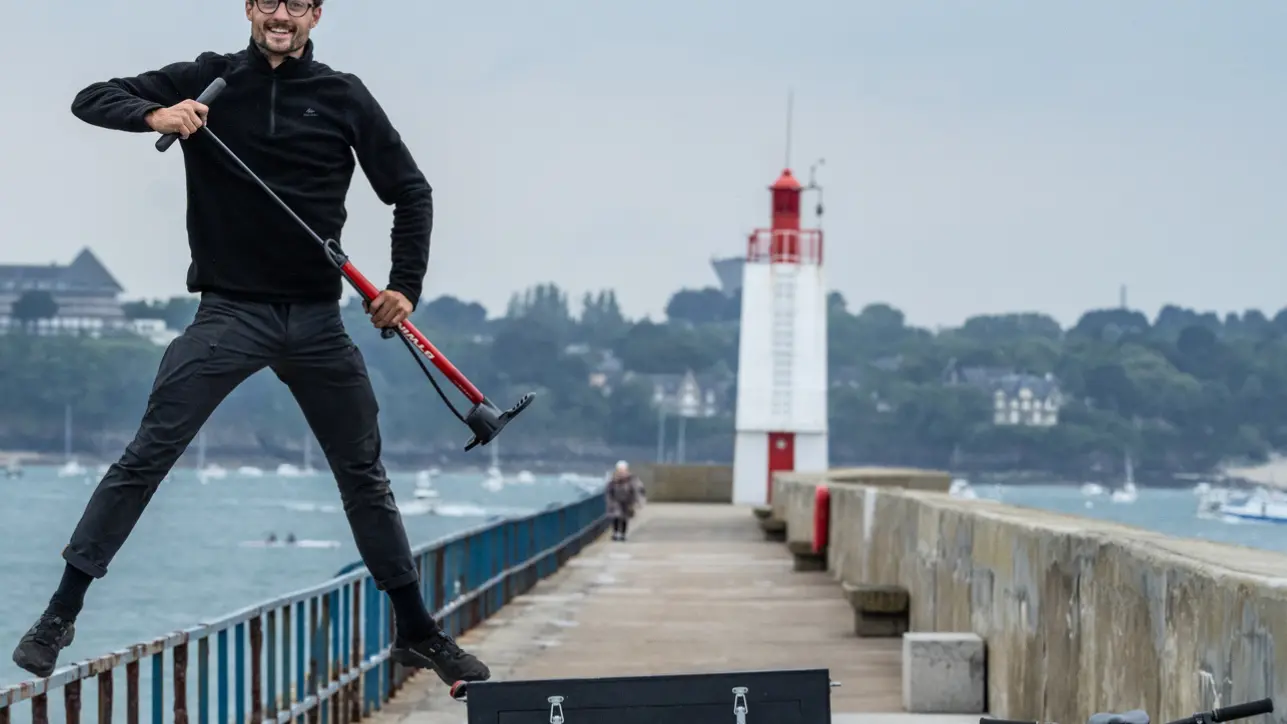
821	517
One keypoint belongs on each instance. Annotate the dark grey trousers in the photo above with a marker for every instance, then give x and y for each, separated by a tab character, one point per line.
308	348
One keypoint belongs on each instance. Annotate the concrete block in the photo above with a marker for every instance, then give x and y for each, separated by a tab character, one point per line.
800	547
803	563
804	559
943	673
879	626
773	524
880	611
774	529
875	598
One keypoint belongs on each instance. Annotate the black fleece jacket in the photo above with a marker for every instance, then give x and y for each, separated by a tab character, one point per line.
298	128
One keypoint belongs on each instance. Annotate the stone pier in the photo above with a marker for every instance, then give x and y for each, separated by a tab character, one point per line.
695	589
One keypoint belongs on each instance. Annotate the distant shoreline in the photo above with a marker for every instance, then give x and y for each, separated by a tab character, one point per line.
1271	474
480	463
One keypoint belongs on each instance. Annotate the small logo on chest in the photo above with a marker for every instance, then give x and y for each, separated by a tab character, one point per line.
310	113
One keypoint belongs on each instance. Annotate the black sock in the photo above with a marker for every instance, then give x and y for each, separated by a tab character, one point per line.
412	620
70	596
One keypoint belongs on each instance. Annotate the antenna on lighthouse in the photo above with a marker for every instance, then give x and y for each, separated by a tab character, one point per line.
790	103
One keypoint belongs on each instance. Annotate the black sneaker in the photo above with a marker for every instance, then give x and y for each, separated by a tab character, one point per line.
37	652
440	653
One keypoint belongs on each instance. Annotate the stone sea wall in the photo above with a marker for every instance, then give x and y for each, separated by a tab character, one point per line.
1078	615
686	483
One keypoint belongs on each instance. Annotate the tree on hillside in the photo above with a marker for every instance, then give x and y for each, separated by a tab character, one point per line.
143	309
448	312
878	331
1171	319
652	348
33	306
547	305
1110	325
602	322
180	311
1009	328
176	312
702	306
527	350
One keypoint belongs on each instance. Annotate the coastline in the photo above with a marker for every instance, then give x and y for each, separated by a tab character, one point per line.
1272	473
395	463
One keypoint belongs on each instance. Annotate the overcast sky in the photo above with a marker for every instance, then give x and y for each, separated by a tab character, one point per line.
980	156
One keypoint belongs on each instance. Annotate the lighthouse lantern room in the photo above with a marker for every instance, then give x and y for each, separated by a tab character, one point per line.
782	356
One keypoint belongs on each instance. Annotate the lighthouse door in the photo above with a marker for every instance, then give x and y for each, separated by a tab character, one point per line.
781	455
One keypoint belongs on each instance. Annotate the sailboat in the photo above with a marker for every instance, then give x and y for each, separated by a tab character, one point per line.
1127	493
70	467
287	470
308	454
207	472
494	480
424	485
1261	506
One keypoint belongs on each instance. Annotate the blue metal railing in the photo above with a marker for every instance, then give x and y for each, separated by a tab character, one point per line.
320	654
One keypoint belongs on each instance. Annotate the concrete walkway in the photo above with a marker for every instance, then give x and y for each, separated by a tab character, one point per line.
695	589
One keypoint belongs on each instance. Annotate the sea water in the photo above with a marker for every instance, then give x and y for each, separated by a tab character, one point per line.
199	552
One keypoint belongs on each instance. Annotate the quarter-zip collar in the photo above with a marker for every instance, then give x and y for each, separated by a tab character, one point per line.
289	67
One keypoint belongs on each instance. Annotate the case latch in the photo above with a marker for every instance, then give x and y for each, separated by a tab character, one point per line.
739	704
556	709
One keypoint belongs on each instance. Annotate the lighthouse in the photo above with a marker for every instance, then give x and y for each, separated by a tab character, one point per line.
782	356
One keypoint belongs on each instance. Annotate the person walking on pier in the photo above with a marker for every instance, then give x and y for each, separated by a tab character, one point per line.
269	298
624	492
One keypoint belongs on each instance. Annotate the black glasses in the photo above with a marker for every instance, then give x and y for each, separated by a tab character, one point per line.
296	8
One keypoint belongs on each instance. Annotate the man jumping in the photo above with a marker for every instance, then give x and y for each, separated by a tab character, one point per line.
269	298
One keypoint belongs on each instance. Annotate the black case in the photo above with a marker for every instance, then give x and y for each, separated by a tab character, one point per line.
766	697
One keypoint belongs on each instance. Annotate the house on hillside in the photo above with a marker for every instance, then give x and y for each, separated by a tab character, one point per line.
1018	398
87	295
606	371
708	394
691	395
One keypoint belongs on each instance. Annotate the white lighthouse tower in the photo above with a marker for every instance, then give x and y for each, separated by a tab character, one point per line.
782	357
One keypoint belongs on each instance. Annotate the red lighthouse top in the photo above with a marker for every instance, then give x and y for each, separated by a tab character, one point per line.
785	241
786	182
786	202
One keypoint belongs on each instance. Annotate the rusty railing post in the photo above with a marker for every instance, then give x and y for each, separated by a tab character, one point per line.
314	712
105	697
40	709
355	693
256	670
71	698
180	683
132	692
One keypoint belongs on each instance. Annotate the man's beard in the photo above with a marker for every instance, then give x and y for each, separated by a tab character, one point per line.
294	44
